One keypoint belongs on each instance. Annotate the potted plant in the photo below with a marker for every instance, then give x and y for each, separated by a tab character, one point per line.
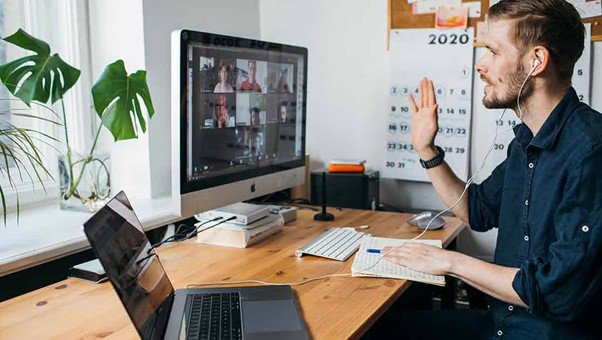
19	155
44	78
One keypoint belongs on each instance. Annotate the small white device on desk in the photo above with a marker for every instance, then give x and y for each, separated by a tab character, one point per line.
335	244
245	213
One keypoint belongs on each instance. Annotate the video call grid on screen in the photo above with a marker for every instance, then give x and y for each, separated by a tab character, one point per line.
244	109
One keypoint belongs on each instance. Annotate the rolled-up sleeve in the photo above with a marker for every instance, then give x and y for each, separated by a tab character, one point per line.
561	286
484	200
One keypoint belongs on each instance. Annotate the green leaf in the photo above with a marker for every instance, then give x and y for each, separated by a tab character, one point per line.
116	98
40	76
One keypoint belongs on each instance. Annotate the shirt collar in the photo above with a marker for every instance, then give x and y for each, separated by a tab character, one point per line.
547	135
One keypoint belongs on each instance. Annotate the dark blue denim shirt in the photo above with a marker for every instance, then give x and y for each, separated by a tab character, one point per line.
546	201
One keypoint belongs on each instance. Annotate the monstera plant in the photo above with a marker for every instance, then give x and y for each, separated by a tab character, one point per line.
43	77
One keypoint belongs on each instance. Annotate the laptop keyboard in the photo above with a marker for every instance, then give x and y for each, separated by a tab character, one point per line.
214	316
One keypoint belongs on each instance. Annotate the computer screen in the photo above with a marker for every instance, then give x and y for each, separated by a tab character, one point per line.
245	108
241	107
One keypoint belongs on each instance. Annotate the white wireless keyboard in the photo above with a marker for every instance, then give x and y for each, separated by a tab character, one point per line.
335	244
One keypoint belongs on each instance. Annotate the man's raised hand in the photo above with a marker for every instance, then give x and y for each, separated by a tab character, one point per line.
424	120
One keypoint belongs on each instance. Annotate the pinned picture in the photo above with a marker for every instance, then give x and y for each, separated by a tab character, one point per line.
451	17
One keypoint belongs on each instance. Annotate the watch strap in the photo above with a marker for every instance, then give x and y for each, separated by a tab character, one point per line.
435	161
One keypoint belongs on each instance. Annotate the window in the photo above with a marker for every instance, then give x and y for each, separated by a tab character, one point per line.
63	24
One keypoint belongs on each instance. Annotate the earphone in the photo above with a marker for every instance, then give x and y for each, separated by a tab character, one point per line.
536	63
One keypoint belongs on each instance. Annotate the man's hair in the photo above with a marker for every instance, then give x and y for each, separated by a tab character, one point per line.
554	24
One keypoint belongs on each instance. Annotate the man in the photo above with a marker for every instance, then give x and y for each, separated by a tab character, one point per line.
254	116
545	198
221	112
282	116
251	83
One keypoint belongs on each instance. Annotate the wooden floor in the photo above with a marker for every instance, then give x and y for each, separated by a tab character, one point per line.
332	308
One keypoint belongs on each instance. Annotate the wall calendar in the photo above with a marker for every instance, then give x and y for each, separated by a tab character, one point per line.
446	57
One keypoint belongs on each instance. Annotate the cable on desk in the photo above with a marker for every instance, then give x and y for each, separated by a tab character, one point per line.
221	283
179	236
197	229
266	283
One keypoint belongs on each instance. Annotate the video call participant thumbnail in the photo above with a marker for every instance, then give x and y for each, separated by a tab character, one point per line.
280	76
253	142
252	81
280	108
218	110
215	149
250	109
223	86
280	142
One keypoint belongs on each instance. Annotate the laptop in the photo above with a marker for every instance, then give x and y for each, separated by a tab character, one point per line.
160	312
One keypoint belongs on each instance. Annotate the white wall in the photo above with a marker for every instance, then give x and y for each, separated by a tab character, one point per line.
347	71
138	31
116	32
347	92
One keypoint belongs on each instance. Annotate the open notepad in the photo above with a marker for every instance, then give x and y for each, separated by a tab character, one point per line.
368	264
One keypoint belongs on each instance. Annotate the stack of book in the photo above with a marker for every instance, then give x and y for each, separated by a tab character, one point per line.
347	166
239	235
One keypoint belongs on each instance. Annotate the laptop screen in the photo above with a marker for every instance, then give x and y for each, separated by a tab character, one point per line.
132	266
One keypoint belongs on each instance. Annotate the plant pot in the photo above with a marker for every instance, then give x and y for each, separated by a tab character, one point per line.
86	183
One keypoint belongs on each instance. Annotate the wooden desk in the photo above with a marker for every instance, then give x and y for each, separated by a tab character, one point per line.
333	308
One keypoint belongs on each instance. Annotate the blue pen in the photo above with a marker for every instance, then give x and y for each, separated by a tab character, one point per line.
373	251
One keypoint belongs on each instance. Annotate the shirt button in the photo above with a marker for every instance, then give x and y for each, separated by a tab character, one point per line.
526	238
500	333
527	202
585	229
511	308
531	165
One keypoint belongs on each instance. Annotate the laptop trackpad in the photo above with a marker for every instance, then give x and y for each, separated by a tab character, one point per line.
270	316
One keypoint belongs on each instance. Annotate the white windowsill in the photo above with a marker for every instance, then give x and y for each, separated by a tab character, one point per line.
45	232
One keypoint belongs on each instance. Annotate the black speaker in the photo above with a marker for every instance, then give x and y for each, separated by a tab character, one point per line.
347	190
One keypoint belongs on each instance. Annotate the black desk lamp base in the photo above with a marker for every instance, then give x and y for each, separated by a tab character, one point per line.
323	216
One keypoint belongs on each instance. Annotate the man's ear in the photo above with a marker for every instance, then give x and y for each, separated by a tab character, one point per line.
541	60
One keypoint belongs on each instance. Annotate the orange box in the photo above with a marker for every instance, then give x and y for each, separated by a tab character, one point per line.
346	168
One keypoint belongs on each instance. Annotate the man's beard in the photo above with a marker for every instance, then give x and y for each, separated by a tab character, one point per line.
513	82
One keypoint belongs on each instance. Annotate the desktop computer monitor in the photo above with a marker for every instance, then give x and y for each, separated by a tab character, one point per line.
238	119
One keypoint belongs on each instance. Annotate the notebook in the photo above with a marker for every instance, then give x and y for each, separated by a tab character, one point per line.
368	264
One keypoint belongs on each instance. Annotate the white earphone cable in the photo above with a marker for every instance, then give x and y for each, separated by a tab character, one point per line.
536	63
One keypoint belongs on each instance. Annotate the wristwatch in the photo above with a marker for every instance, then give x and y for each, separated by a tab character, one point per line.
435	161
